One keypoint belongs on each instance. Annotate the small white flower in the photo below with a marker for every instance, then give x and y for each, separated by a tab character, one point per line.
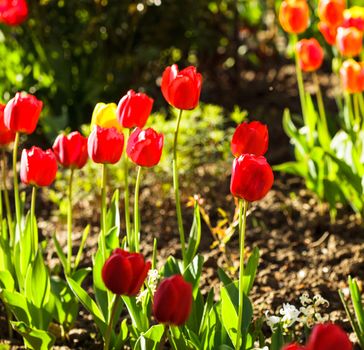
272	321
305	299
152	282
290	315
319	300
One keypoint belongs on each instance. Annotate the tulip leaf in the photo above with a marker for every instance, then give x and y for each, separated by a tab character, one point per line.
113	215
34	338
59	251
99	286
171	267
195	235
150	340
138	317
123	335
112	238
7	280
251	270
85	234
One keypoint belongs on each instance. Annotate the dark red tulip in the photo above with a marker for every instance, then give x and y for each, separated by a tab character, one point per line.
251	177
6	136
328	337
134	109
293	346
71	150
124	273
22	113
38	167
181	89
173	301
310	54
145	147
105	145
13	12
250	138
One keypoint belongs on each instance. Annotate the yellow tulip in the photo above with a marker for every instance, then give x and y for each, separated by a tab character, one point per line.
104	115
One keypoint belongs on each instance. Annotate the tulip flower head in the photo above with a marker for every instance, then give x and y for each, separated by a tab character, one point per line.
181	89
329	33
173	301
354	17
22	112
349	41
293	346
310	54
251	177
105	145
352	76
331	12
71	150
124	273
104	115
250	138
134	109
6	135
328	337
38	167
145	147
294	16
13	12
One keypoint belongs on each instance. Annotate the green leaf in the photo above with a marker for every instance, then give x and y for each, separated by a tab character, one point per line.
7	280
250	270
112	238
99	286
195	235
34	338
85	234
294	168
357	303
171	267
18	305
150	340
113	215
61	255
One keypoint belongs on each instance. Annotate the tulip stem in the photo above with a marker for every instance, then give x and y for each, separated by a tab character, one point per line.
320	104
163	338
16	185
69	224
115	305
103	212
356	112
176	189
243	207
34	237
7	202
126	195
136	210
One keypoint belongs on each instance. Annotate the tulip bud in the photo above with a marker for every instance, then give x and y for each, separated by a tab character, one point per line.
181	89
13	12
38	167
251	177
22	113
352	76
134	109
250	138
145	147
71	150
349	41
105	145
173	301
294	16
124	273
6	136
328	337
331	12
310	54
104	115
329	33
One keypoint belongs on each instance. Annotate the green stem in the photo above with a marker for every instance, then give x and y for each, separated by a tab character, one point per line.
349	120
103	212
7	202
361	105
136	210
176	189
34	237
69	224
320	104
126	196
356	112
16	185
115	306
243	207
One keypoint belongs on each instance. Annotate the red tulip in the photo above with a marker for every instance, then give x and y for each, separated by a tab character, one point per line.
293	346
145	147
22	113
173	301
294	16
134	109
328	337
331	12
352	76
6	136
181	89
13	12
329	33
251	178
124	273
349	41
250	138
310	54
105	145
38	167
71	150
